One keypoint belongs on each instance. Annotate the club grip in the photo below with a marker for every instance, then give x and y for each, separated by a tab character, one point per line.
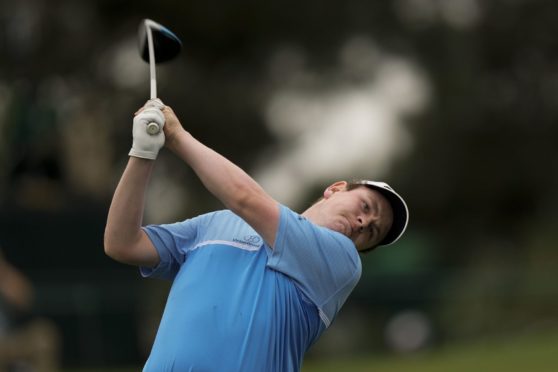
153	128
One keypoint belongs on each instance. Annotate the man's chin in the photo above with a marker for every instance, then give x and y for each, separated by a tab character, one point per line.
342	229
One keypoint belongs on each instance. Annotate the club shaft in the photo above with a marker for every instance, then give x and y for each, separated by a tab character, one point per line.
152	72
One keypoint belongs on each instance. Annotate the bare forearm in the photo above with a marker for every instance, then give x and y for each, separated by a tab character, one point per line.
125	215
225	180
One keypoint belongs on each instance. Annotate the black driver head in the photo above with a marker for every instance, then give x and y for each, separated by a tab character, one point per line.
166	44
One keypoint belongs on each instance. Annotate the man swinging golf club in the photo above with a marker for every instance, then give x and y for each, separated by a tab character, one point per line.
255	284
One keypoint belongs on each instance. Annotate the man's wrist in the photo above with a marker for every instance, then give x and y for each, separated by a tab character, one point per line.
173	142
148	155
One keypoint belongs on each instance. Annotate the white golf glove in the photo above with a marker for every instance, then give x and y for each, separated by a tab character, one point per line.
147	145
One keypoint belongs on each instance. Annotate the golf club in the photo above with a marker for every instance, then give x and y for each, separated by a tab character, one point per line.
157	44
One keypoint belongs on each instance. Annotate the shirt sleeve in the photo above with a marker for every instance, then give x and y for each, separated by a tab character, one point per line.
323	263
172	241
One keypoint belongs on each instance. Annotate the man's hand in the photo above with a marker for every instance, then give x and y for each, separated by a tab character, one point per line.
172	128
147	145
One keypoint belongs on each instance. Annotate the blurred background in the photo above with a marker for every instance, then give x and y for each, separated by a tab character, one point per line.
452	102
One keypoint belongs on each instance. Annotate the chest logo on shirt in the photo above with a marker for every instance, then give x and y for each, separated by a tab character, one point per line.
252	240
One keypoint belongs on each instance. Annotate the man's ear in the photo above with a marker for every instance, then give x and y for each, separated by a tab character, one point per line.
333	188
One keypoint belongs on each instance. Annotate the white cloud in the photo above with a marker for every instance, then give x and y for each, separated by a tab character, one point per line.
346	131
459	14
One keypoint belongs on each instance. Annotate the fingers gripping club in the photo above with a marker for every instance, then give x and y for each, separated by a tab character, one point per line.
153	128
146	144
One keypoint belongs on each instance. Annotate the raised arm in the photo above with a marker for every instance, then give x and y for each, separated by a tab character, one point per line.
125	241
226	181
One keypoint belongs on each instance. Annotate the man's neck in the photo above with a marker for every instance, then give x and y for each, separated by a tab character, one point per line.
312	214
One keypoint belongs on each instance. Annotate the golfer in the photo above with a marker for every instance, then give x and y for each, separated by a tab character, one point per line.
256	284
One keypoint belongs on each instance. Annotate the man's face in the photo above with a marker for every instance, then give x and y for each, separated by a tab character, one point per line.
363	215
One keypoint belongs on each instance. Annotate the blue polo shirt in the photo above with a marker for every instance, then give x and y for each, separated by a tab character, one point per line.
236	304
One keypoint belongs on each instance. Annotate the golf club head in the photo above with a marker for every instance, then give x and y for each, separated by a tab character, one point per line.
166	44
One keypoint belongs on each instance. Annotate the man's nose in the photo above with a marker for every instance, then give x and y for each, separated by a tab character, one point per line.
365	223
361	223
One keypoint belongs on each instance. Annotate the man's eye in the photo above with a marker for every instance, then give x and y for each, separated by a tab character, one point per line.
365	206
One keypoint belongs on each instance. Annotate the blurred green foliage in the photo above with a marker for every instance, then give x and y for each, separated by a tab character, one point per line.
480	178
527	352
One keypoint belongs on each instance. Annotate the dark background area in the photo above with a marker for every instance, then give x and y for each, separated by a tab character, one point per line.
479	176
